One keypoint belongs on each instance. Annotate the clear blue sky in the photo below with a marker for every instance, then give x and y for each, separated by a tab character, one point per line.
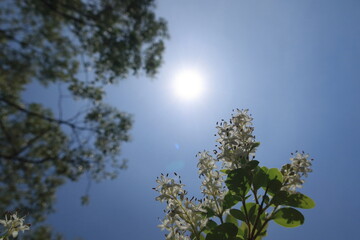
294	64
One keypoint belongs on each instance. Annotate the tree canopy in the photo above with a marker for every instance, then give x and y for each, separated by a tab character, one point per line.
52	42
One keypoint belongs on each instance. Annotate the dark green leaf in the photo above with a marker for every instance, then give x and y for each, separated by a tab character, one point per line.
288	217
225	231
300	200
211	224
238	181
280	198
273	187
260	179
252	164
238	214
229	228
297	200
230	200
209	212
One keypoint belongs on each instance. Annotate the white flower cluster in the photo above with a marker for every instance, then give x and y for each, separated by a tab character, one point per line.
213	183
236	140
183	215
237	145
300	167
13	225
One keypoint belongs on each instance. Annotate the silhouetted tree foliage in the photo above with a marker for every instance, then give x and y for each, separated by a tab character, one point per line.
51	42
43	233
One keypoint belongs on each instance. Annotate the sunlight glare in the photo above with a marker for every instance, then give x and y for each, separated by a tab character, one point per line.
188	84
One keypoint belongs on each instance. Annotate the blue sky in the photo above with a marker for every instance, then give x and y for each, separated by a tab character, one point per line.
294	64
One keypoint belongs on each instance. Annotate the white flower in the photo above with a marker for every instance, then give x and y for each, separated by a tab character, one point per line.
182	215
212	184
168	188
300	167
236	140
14	224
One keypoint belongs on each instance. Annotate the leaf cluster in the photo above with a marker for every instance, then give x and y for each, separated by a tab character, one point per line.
248	220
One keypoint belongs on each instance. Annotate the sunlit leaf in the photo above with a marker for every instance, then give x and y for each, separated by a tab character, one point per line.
230	219
275	174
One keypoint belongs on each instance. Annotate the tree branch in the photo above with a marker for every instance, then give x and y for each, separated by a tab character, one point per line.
49	119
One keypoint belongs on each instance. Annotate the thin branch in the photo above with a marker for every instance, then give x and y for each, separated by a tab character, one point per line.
49	119
246	216
32	141
261	210
7	135
22	159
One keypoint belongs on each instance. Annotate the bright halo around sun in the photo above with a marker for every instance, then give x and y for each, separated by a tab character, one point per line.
188	84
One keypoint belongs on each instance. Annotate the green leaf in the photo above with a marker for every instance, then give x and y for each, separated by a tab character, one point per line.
255	144
231	219
274	180
288	217
280	198
225	231
300	200
260	178
209	212
252	164
230	200
238	214
242	231
274	187
238	181
274	173
211	224
229	229
297	200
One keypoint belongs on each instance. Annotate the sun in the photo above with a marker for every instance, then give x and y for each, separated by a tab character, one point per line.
188	84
